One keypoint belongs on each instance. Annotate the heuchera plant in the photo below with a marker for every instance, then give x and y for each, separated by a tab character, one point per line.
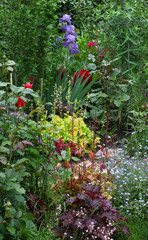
91	215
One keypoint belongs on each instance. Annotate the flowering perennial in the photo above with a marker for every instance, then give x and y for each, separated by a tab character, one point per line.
20	102
85	74
70	36
28	85
91	44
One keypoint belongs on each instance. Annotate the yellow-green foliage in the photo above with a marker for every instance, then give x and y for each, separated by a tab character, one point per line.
71	128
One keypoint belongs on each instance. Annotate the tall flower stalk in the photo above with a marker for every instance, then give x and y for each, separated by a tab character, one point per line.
70	36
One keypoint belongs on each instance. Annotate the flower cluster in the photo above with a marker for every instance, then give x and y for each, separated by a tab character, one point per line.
70	35
21	102
85	74
91	44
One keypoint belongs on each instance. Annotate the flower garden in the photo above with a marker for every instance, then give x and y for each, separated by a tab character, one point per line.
73	120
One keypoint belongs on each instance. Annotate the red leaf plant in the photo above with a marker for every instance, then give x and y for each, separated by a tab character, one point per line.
35	206
86	75
91	216
61	146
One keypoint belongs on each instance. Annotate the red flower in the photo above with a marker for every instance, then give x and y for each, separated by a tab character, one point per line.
66	164
105	50
30	78
33	40
91	44
63	72
101	56
86	75
28	85
20	102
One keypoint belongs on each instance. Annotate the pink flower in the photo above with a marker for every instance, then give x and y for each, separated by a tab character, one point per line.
105	50
66	164
101	56
91	44
32	40
20	102
28	85
86	75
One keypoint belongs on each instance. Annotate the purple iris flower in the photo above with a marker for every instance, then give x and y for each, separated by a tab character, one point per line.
64	28
70	37
70	28
72	33
66	44
65	18
74	48
69	34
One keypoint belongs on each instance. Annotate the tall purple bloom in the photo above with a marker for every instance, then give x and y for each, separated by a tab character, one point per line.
70	28
65	18
74	49
64	28
70	35
70	38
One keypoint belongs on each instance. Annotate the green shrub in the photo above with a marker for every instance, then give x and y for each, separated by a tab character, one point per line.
72	128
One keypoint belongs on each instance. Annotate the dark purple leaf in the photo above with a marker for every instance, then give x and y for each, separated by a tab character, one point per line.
125	229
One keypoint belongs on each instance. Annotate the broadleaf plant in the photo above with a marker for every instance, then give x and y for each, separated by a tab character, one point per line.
90	216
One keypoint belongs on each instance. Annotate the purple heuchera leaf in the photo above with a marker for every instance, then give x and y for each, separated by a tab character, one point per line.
124	228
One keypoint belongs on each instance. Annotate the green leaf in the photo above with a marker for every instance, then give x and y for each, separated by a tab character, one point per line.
12	100
117	102
94	113
28	216
2	175
21	190
1	219
20	161
10	69
101	94
125	98
75	159
19	214
92	66
3	160
4	84
11	230
1	92
6	143
21	223
63	153
11	212
10	63
4	149
20	198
